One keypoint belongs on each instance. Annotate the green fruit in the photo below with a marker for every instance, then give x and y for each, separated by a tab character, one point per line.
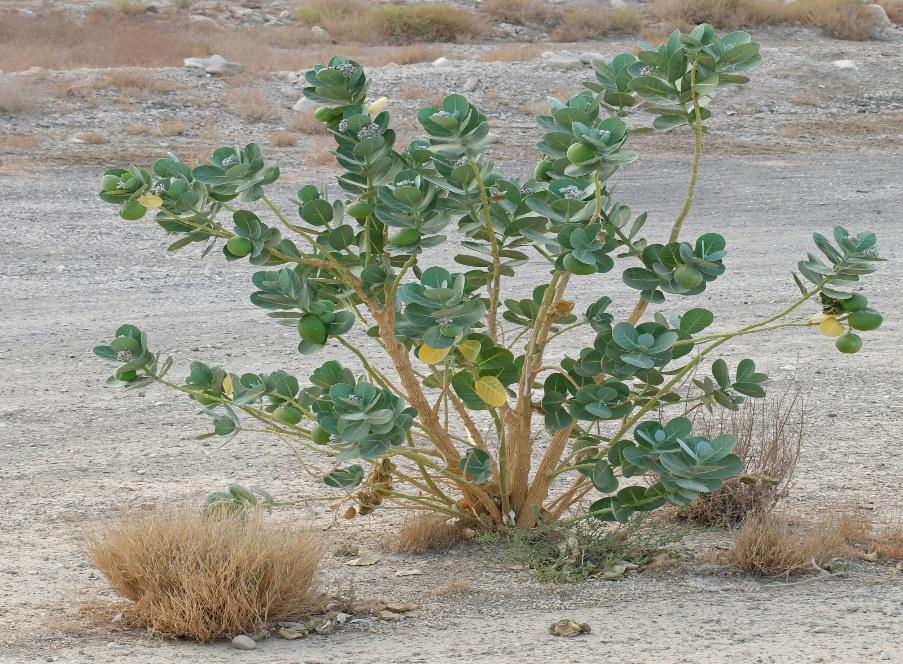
239	246
312	329
359	210
687	277
865	320
324	114
848	343
854	303
132	211
288	414
541	172
405	237
574	266
579	153
126	375
320	435
109	182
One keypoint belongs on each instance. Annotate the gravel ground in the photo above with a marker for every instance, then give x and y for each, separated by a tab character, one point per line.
807	145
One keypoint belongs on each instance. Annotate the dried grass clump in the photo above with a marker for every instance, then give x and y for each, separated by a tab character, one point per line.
846	19
893	9
425	533
251	105
591	22
872	541
519	11
17	95
283	139
355	21
186	574
128	7
773	545
769	436
513	53
93	138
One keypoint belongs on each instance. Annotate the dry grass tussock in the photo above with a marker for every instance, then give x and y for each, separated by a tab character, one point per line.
186	574
519	11
769	436
513	53
420	534
893	9
56	40
591	22
775	545
17	95
283	139
370	22
251	105
845	19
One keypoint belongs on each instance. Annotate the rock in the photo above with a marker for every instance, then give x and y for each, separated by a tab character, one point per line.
286	14
470	85
569	627
243	642
564	64
203	21
223	68
882	24
618	4
588	56
844	64
322	34
401	607
441	62
304	105
364	560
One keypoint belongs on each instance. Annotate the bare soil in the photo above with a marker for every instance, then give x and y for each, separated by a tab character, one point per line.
805	146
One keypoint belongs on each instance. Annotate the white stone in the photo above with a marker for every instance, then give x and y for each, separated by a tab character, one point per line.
471	84
881	20
441	62
242	642
844	64
321	33
617	4
223	68
205	21
564	63
303	105
588	56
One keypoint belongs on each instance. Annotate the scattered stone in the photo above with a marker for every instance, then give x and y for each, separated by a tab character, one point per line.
322	34
471	84
345	549
408	572
304	105
291	634
204	21
562	60
219	66
882	23
243	642
569	627
286	14
844	64
401	607
587	57
341	617
364	560
441	62
618	4
385	614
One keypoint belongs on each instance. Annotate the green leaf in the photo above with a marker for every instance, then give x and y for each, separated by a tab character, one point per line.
476	465
345	478
696	320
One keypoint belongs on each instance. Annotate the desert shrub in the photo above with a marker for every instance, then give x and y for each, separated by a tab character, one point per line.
591	22
251	104
769	435
120	7
206	576
518	11
585	548
846	19
424	533
773	545
450	428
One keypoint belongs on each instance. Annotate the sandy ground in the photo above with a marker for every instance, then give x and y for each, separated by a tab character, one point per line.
74	453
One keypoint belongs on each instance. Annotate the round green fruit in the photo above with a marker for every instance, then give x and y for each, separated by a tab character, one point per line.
239	246
405	237
288	414
865	320
854	303
324	114
541	172
579	153
126	375
574	266
359	210
848	343
109	182
687	277
312	329
320	436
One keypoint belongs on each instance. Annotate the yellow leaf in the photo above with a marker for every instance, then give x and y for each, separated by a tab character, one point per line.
469	349
377	106
227	386
830	327
150	201
432	355
491	391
